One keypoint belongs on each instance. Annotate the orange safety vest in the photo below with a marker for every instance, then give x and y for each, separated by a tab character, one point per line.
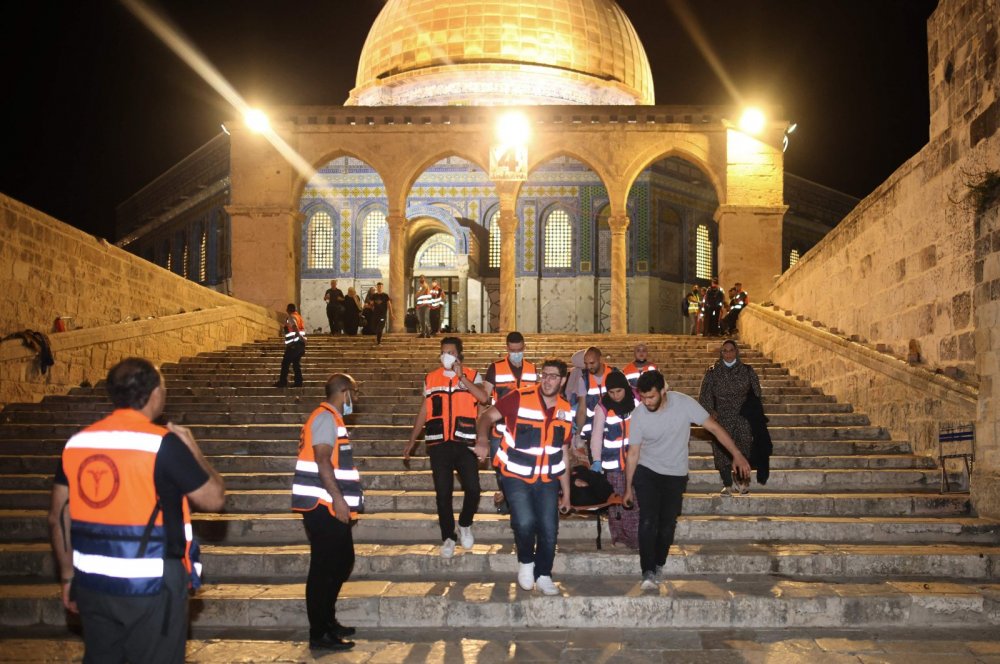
614	448
295	328
632	372
595	390
119	540
436	298
505	381
451	409
535	450
307	488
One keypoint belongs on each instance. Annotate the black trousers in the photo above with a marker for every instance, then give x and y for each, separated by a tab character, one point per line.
137	629
333	317
379	327
435	320
331	560
446	459
660	498
291	358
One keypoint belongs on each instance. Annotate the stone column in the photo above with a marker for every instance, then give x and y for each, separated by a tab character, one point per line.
265	249
750	247
460	315
397	269
619	265
508	263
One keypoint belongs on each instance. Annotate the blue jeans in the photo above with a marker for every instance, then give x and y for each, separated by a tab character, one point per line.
534	516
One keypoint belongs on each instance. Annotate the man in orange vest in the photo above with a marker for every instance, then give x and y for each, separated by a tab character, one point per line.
437	305
639	365
295	347
121	525
452	394
326	489
589	392
423	305
532	460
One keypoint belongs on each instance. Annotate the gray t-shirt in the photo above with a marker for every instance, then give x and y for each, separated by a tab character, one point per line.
324	429
663	435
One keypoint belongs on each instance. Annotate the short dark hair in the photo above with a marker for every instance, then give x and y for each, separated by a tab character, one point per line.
557	363
379	284
290	308
651	380
594	350
338	382
131	382
515	337
453	340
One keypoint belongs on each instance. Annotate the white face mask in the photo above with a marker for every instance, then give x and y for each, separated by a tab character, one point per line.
448	361
516	358
729	364
348	406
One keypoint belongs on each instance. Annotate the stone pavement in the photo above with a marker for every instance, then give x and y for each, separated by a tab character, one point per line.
576	647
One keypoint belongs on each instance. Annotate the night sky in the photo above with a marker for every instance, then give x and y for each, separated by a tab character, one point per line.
96	107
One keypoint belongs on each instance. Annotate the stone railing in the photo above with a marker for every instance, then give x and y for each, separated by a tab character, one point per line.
84	356
908	400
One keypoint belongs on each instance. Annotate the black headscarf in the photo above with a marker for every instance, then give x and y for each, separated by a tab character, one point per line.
616	379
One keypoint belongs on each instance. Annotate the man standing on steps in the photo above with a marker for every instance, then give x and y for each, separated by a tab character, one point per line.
121	525
423	305
327	491
437	305
656	469
381	308
589	392
295	347
502	377
334	298
532	460
452	394
639	365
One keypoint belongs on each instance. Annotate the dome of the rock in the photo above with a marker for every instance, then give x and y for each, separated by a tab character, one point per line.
502	52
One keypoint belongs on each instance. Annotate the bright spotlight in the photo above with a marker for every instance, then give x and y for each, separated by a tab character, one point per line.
256	121
752	121
513	129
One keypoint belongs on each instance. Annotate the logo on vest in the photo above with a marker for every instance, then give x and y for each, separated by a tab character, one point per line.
98	481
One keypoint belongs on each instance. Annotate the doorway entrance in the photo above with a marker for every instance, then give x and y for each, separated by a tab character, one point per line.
449	286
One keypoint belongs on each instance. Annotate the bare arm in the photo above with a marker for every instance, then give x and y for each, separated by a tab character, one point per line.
565	504
597	434
418	426
59	530
210	496
631	461
740	464
323	454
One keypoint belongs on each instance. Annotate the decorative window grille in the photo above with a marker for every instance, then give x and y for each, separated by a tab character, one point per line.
558	252
793	258
437	251
495	239
320	241
374	223
703	253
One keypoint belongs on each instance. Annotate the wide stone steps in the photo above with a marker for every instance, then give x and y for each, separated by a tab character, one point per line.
471	601
290	562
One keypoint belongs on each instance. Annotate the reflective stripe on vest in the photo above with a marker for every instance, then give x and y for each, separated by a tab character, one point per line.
109	467
308	491
614	449
436	300
294	328
632	372
595	390
535	450
451	409
424	299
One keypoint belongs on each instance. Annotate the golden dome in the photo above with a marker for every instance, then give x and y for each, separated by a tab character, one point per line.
502	52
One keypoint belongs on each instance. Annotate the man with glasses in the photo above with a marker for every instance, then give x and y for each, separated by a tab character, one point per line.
532	462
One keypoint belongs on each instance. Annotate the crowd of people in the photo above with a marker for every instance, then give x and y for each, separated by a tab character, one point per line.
125	550
713	313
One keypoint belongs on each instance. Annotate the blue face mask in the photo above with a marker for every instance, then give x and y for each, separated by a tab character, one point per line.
516	358
348	407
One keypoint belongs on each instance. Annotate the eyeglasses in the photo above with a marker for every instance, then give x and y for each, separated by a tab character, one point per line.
551	376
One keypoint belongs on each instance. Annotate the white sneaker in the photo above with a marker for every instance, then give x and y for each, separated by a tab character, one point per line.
649	581
526	576
546	585
465	537
448	548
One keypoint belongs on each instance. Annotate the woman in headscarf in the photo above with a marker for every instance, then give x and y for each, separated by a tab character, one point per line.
352	312
368	309
724	389
609	448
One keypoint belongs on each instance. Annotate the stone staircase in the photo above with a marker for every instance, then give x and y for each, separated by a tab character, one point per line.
850	531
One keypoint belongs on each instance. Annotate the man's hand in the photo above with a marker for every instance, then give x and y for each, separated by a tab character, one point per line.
564	503
408	452
457	368
628	498
69	604
342	510
741	467
482	449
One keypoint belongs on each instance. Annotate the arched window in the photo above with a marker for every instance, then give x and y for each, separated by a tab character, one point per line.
320	241
437	251
495	239
703	252
793	258
558	247
373	224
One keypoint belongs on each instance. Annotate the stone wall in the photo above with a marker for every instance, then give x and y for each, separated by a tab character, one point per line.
907	400
121	303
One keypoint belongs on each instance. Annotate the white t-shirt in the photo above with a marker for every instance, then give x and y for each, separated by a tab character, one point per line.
661	437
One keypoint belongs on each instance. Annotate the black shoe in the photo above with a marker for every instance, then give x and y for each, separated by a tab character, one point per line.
330	641
343	630
280	384
296	384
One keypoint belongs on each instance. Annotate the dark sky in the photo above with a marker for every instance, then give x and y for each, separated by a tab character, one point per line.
96	107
